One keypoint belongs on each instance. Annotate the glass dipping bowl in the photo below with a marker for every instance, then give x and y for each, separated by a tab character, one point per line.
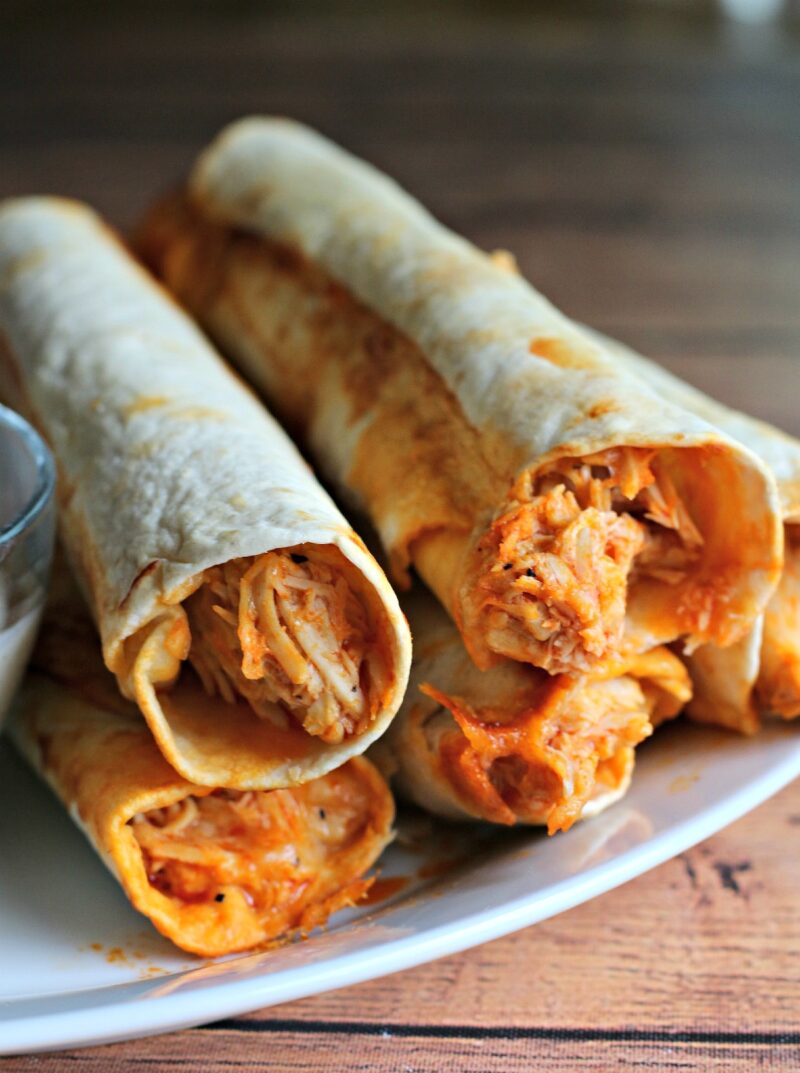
27	526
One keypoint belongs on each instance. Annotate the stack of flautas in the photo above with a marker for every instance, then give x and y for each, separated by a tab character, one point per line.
570	520
602	546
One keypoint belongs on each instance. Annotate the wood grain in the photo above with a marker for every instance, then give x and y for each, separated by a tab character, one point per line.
646	173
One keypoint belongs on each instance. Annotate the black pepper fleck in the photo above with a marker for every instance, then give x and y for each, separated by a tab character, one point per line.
298	558
219	897
507	566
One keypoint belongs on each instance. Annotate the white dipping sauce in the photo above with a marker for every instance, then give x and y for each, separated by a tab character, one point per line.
16	643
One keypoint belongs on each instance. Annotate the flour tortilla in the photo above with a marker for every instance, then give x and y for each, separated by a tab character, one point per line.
105	768
167	465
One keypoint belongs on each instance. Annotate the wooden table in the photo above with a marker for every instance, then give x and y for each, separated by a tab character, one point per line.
646	170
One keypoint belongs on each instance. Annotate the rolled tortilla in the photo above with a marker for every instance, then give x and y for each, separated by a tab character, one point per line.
561	512
236	606
514	744
761	672
215	870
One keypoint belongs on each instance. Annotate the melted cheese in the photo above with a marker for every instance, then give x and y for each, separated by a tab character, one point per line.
261	862
544	762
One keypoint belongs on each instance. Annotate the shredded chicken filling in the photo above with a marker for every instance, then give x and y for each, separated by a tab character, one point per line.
287	633
547	761
555	567
262	852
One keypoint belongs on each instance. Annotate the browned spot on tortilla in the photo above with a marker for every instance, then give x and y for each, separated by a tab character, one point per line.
145	449
251	199
505	260
353	536
33	259
560	352
602	408
198	413
594	413
142	403
482	337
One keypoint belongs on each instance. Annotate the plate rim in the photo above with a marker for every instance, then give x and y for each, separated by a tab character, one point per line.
131	1015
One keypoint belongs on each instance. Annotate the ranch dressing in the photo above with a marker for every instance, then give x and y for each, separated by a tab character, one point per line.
18	626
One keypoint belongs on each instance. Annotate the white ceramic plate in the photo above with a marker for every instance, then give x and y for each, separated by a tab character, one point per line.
80	966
